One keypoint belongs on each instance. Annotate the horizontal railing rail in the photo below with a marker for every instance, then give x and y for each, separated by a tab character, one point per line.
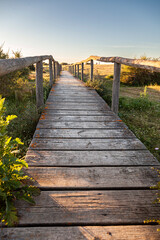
151	65
10	65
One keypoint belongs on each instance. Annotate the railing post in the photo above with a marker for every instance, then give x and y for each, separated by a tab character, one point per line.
82	66
91	72
39	84
77	70
115	87
50	73
54	70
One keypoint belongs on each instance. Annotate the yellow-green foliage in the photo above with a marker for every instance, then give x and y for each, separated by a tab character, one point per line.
13	181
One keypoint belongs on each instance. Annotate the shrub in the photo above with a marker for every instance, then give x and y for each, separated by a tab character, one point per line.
13	181
139	77
9	82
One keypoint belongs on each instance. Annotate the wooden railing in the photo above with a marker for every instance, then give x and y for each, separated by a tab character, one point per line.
137	63
11	65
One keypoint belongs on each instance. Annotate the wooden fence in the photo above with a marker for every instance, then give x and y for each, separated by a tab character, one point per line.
137	63
11	65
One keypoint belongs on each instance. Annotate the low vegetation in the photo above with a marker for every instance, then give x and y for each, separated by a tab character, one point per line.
18	120
14	184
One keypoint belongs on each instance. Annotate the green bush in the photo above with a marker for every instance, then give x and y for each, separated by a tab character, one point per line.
9	83
13	181
139	77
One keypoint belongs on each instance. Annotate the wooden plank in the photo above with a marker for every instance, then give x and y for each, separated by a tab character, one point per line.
62	118
93	177
90	158
71	100
90	207
79	125
71	105
79	112
77	107
82	233
86	144
83	133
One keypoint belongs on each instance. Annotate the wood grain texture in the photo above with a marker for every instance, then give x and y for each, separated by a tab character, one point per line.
80	125
68	118
39	85
10	65
115	88
78	112
82	233
83	133
138	63
90	207
86	144
90	158
93	177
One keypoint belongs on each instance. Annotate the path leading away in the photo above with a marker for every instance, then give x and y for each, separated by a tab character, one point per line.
95	175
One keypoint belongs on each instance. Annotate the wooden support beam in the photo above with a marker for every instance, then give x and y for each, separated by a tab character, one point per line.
39	85
91	71
77	70
54	70
82	68
50	73
115	88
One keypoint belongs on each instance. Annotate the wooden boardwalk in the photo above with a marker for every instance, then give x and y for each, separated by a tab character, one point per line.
95	175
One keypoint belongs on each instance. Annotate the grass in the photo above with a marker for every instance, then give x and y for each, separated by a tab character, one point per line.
139	107
24	106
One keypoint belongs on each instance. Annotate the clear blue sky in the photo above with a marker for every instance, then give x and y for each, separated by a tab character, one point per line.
72	30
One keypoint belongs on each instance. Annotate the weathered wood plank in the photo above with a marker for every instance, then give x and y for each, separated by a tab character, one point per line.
79	125
83	133
10	65
79	112
90	158
86	144
90	207
62	118
80	106
83	233
93	177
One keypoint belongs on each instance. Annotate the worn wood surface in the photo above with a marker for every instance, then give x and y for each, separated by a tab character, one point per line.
83	233
93	177
115	88
83	133
152	65
90	158
39	85
86	144
90	207
92	170
10	65
80	125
